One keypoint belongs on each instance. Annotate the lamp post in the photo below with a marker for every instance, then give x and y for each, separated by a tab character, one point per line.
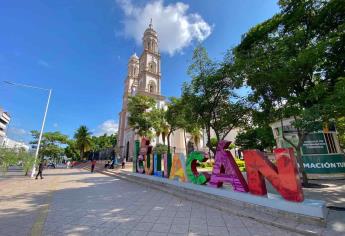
43	122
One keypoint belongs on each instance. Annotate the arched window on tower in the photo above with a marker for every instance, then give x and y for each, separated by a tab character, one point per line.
152	67
152	87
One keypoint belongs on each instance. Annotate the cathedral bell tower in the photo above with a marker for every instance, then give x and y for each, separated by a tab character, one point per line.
149	77
143	77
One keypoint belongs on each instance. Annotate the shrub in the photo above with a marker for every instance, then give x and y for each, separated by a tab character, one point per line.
160	149
7	157
28	161
241	164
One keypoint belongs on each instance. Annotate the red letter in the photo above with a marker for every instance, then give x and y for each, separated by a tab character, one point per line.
284	176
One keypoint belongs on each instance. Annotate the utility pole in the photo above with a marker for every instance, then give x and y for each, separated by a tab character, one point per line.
43	122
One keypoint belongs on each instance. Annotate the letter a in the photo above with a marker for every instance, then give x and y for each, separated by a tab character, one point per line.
225	169
177	169
283	177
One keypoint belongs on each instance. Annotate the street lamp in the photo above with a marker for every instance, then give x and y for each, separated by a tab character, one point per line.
43	122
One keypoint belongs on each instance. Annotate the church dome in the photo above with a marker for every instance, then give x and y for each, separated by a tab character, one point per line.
134	57
150	31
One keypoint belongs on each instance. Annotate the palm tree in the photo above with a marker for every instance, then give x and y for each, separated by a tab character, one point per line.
83	140
196	136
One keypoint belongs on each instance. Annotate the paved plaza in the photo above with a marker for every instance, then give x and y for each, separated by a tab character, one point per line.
76	202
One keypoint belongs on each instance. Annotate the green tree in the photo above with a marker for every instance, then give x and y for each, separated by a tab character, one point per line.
175	116
159	123
82	138
211	97
51	144
140	117
340	125
71	150
196	134
27	159
256	138
292	63
104	141
7	157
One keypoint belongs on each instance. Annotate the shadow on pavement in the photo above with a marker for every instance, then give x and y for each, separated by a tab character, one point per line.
84	202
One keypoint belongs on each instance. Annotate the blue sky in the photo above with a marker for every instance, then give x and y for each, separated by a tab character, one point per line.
80	49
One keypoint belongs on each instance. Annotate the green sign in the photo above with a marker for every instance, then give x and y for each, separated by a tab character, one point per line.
314	144
324	164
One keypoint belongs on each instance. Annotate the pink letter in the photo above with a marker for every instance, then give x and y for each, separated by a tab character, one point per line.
225	169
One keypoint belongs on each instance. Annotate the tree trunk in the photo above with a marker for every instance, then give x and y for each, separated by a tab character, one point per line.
163	138
170	132
196	143
208	144
305	181
299	159
185	141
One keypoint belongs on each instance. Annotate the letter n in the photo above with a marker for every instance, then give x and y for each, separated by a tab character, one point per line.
283	176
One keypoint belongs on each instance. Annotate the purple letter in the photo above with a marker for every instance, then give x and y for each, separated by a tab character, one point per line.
225	169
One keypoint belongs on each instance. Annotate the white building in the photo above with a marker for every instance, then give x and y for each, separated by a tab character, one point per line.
13	144
144	77
4	121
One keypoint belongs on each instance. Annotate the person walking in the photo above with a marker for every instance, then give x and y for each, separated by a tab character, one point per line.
93	163
40	170
123	163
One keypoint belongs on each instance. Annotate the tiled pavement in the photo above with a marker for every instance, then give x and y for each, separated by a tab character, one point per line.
81	203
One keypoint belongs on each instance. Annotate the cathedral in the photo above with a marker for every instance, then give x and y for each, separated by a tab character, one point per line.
143	77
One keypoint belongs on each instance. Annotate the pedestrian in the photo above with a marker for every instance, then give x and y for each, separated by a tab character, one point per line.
40	170
123	163
93	163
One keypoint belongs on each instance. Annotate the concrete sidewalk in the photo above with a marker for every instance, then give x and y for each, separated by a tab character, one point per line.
333	192
77	202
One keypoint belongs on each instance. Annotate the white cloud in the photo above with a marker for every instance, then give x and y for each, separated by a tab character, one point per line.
43	63
107	127
55	125
16	131
175	27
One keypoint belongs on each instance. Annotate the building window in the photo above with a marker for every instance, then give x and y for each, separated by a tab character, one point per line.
152	67
152	87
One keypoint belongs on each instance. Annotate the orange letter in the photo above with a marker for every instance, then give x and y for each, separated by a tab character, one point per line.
177	168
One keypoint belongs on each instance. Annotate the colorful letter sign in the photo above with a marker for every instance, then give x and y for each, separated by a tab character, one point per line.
225	169
177	168
283	177
193	175
167	164
157	170
148	164
144	148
